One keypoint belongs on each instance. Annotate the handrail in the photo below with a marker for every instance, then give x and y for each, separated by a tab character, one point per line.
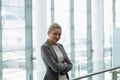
92	74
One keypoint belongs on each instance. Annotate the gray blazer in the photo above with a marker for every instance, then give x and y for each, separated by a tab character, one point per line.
53	68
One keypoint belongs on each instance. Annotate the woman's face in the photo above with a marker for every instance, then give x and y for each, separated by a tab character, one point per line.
54	36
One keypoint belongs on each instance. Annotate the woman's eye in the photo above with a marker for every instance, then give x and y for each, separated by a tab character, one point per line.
59	34
55	33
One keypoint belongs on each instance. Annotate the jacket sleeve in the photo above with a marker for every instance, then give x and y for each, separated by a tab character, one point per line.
68	65
50	61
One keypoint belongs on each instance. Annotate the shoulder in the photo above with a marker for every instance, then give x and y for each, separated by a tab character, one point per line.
59	44
45	45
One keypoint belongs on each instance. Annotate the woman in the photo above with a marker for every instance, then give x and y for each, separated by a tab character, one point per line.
54	55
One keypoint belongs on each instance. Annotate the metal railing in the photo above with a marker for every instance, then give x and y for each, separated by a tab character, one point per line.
114	74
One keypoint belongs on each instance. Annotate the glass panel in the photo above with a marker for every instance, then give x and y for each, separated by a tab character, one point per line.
80	37
108	32
13	40
34	67
13	14
10	19
13	54
14	65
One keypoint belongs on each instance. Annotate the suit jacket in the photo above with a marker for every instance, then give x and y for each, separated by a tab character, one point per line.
53	68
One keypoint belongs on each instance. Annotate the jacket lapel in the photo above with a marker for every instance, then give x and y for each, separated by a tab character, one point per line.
52	51
61	49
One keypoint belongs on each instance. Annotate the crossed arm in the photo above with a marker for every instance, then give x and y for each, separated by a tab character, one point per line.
61	67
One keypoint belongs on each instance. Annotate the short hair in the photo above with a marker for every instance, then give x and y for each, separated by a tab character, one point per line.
54	26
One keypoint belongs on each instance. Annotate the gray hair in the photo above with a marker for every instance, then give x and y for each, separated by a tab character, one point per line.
54	26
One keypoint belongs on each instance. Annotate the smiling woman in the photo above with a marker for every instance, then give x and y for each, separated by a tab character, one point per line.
54	33
54	55
20	44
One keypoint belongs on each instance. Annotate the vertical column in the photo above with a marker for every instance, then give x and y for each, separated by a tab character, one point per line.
0	41
116	39
28	40
52	11
40	25
114	75
114	13
98	40
89	39
72	36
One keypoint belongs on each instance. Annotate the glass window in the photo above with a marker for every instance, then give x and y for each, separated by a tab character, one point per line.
80	37
13	40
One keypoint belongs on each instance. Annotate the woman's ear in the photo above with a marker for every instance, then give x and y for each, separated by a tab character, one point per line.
48	32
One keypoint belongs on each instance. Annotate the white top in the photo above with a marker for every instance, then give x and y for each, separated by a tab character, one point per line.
60	58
